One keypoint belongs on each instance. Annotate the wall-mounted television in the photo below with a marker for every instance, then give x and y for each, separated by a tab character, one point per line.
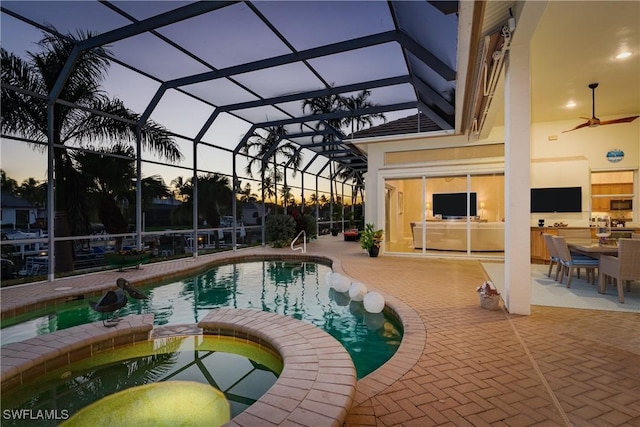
556	199
451	205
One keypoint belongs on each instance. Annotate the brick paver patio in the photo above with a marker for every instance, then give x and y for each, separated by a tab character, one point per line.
555	367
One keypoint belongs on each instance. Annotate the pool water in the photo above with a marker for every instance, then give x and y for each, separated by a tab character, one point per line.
242	370
298	290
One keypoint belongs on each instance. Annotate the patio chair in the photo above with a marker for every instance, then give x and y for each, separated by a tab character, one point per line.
570	261
33	271
553	255
623	268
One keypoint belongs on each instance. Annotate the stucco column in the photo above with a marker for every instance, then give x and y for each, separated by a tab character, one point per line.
517	254
517	292
517	94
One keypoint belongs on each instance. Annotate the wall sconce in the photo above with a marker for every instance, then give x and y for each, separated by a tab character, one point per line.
482	206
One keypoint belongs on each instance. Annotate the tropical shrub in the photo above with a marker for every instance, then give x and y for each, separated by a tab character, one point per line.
280	230
305	222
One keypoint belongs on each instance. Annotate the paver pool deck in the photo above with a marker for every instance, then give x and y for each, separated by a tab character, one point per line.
462	365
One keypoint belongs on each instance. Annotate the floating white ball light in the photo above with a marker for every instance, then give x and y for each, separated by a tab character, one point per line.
329	279
357	291
373	302
340	283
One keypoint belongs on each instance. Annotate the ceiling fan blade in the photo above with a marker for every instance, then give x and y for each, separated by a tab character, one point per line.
577	127
622	120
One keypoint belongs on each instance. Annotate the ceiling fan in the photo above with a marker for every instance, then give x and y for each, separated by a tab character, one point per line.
594	121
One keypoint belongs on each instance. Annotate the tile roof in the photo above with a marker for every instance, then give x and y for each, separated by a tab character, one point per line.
11	201
417	123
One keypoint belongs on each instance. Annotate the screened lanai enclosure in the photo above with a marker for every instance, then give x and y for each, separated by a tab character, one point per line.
176	128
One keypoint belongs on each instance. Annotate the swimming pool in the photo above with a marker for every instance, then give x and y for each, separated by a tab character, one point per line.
295	289
242	370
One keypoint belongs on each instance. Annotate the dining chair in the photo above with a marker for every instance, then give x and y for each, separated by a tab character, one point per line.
553	254
570	261
623	268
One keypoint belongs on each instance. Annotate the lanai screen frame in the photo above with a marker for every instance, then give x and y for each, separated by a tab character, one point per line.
429	68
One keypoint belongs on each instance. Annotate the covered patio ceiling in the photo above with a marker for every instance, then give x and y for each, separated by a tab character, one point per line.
258	61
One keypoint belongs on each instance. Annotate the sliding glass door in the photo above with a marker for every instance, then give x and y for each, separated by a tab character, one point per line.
456	215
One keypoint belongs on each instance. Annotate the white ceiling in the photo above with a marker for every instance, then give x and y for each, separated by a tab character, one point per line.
574	45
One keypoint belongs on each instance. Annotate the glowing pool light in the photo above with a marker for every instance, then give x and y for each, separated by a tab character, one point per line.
168	403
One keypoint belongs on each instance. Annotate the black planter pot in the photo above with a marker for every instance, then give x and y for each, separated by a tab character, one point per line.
374	251
334	231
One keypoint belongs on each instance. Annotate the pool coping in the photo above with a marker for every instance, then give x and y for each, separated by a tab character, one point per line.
315	388
408	353
318	382
25	360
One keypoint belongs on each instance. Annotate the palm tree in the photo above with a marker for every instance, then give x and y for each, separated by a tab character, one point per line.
214	197
359	102
287	197
267	187
246	195
34	192
9	185
313	200
109	180
214	200
323	105
153	187
331	103
177	184
26	116
262	145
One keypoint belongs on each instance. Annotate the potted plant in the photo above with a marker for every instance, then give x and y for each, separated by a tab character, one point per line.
370	240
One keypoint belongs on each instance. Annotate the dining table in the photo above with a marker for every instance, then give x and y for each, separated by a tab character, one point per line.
592	248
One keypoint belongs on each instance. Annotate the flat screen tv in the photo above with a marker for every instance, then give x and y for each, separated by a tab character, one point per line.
454	204
557	199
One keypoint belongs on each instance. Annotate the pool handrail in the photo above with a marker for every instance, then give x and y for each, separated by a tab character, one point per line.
304	242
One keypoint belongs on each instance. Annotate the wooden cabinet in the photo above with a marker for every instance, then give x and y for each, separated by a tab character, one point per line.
602	204
539	251
538	247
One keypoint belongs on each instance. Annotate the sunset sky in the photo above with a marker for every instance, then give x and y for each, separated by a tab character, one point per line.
232	36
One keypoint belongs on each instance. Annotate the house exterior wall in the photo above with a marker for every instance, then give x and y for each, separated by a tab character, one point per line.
565	161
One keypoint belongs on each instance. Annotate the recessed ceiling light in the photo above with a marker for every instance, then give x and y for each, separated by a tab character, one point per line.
623	55
571	104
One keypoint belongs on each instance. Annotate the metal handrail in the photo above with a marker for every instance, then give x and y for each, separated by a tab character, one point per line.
304	242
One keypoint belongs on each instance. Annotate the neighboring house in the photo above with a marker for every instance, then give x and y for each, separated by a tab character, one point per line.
16	212
158	213
252	213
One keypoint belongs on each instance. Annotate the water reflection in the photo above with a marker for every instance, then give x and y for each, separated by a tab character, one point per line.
295	289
